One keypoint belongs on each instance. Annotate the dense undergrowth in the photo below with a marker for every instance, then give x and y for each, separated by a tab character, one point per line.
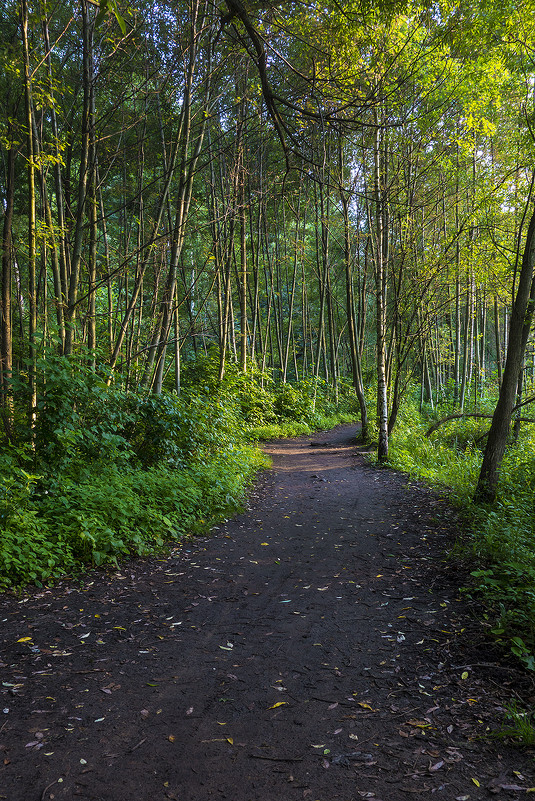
105	474
502	536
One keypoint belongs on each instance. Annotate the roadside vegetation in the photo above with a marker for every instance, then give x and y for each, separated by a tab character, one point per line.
107	474
500	538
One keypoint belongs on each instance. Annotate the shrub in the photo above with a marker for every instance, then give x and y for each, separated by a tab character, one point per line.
110	474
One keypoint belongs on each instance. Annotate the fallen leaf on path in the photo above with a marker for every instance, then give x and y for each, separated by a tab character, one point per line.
436	766
171	738
24	639
279	703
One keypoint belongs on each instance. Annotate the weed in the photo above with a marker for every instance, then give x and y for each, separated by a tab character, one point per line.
520	726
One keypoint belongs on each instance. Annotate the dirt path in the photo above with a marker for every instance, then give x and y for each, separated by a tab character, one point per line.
314	648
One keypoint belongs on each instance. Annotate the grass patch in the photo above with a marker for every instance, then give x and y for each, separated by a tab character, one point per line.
502	536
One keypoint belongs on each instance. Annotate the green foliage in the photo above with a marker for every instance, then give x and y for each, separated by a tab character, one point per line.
520	726
448	458
503	536
111	474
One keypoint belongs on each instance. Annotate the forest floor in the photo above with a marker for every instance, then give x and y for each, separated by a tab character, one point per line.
316	647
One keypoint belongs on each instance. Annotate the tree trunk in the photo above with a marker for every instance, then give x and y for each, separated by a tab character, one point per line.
32	240
519	327
6	331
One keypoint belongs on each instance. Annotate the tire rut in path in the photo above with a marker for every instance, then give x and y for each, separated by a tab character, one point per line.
316	647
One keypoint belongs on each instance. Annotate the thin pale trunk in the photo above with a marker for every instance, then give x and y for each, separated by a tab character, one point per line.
63	248
87	133
6	330
497	341
32	245
177	352
92	263
354	351
289	336
380	300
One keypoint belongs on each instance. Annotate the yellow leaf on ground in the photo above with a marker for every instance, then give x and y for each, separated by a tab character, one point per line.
24	639
279	703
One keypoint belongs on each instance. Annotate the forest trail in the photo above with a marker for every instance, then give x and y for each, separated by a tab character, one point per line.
316	647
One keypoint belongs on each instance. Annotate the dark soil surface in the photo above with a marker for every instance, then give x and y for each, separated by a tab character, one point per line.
316	647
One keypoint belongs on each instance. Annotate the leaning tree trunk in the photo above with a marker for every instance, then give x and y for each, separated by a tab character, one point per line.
519	327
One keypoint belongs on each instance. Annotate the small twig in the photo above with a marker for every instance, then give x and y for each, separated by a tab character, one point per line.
137	746
48	788
276	759
94	670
